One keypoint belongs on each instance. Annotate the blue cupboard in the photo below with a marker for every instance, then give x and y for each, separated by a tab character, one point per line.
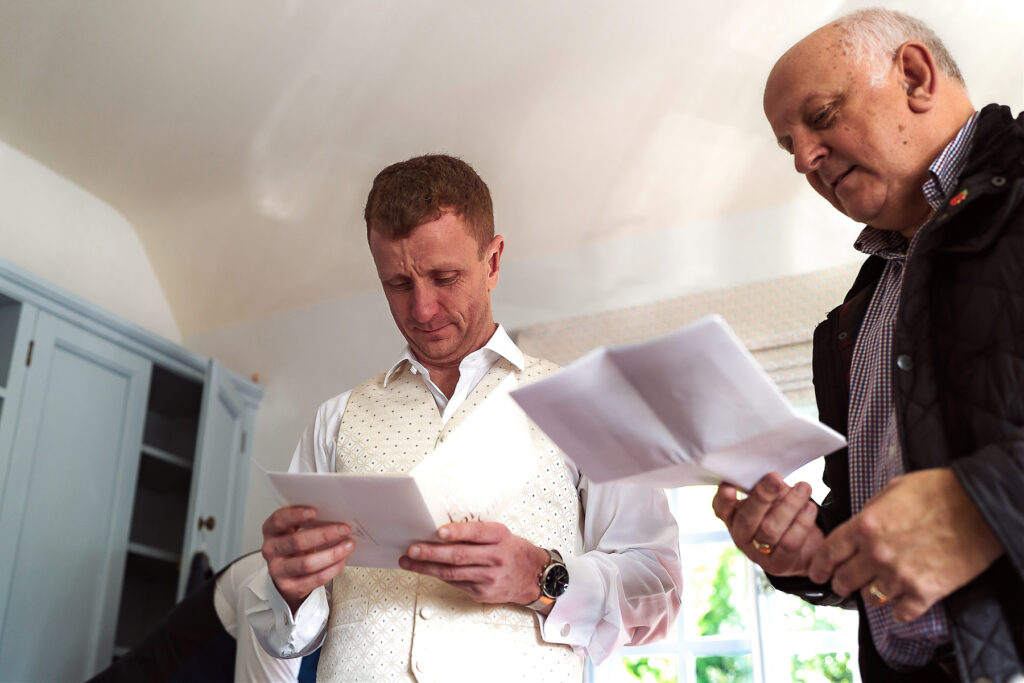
121	456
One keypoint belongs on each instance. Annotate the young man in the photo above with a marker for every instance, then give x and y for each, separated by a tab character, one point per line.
485	601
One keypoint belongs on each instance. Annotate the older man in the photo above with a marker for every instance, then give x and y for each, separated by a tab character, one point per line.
922	366
574	568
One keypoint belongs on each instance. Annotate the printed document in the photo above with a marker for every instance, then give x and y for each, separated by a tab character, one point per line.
471	476
692	407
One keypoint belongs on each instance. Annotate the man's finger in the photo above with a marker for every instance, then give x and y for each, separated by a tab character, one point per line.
724	503
454	553
299	586
449	573
838	547
759	501
781	516
311	563
792	541
305	540
473	532
285	519
909	608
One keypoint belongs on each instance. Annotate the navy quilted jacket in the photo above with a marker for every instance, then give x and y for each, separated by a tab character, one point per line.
960	397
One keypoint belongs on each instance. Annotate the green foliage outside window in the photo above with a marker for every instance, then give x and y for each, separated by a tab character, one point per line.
830	667
652	669
722	612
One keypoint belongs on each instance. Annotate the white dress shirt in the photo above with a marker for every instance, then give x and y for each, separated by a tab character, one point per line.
232	600
624	589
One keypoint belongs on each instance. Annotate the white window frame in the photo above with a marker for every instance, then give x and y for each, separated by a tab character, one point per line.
767	666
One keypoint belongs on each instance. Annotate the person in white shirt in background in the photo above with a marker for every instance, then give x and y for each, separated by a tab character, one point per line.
572	568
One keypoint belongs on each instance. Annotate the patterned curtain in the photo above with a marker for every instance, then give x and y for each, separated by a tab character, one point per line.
775	319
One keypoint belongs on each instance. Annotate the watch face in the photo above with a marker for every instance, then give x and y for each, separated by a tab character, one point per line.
556	580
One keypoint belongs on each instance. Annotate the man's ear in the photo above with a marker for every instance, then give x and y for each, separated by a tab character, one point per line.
493	255
918	74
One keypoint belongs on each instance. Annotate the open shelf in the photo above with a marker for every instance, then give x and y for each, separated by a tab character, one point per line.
161	503
172	414
148	593
153	552
169	458
10	311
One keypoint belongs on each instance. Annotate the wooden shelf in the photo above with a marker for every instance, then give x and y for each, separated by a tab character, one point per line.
152	553
165	456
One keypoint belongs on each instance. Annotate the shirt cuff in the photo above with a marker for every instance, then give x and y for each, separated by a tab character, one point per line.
576	613
280	633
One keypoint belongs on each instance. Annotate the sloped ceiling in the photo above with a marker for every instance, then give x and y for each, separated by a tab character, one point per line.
239	137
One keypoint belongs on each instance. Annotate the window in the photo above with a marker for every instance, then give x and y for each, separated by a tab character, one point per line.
733	626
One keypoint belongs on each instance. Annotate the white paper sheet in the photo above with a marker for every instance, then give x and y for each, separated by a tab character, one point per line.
472	476
692	407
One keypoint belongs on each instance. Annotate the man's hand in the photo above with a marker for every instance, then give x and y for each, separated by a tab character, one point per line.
301	553
916	542
484	559
774	525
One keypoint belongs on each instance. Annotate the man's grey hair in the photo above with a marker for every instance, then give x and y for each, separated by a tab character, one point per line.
875	34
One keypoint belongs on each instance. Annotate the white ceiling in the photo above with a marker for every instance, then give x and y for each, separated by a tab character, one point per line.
239	137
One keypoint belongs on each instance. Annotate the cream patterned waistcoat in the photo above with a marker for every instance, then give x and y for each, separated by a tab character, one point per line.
394	625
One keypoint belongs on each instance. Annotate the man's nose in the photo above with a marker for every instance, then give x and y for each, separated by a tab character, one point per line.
808	153
424	304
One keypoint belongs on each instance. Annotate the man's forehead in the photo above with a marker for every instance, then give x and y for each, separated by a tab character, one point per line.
818	65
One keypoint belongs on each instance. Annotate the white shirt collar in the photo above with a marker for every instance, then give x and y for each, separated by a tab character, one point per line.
500	345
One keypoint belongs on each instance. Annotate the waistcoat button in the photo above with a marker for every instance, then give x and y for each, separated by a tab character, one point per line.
998	181
904	362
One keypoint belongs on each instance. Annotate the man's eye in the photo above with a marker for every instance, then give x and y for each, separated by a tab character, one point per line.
398	286
445	280
823	118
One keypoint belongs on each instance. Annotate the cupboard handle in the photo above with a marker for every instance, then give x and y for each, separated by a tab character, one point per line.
207	523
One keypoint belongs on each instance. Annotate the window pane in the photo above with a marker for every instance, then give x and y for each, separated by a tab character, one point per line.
718	600
693	510
830	667
725	669
645	669
790	613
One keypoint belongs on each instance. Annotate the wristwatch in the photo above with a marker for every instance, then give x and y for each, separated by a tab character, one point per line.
553	580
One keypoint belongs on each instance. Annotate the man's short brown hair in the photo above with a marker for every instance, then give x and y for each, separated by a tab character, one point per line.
410	193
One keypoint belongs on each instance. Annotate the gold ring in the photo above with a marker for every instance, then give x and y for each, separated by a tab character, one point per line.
878	594
763	548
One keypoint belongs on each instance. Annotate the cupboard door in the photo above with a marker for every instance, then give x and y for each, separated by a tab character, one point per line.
17	322
67	503
220	458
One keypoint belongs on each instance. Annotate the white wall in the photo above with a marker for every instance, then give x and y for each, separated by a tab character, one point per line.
65	235
308	355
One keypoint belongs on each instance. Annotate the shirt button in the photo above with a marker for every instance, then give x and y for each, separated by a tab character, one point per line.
421	667
904	362
426	612
565	630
